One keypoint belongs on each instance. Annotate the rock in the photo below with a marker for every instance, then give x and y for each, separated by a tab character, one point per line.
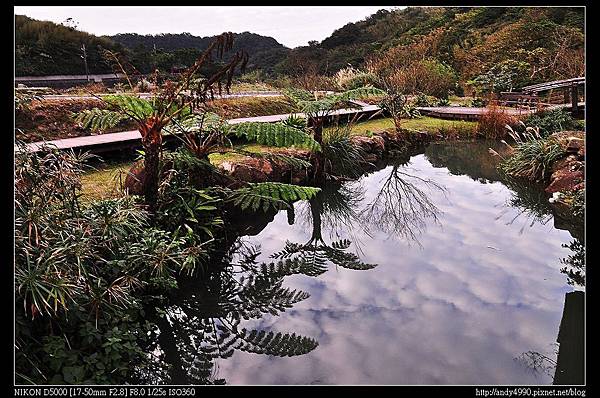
575	144
374	145
249	169
565	137
565	180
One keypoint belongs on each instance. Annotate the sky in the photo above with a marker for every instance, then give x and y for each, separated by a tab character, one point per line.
291	26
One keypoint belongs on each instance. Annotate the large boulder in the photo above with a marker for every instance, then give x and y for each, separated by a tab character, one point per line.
249	169
566	179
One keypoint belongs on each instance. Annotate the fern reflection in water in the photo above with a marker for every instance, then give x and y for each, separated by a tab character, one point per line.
206	321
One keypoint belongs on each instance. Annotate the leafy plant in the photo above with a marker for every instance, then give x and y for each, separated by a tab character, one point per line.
533	156
270	195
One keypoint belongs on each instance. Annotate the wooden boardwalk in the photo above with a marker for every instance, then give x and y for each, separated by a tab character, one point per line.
467	113
129	139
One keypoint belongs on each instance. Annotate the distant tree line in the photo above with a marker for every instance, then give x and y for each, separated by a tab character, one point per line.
478	49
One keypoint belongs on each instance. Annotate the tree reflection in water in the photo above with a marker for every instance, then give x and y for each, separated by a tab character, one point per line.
334	207
401	207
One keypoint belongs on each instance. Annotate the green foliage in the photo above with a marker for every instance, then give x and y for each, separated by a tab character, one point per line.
270	195
275	134
99	119
532	159
342	156
504	76
552	121
425	100
86	269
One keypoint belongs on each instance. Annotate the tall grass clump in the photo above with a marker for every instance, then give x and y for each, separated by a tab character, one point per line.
492	123
533	156
350	78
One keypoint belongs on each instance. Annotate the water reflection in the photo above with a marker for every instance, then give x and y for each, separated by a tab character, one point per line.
402	207
206	322
455	310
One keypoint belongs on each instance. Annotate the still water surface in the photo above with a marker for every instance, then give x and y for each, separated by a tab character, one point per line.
467	279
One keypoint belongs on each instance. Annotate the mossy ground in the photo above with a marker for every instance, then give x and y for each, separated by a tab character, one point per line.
104	181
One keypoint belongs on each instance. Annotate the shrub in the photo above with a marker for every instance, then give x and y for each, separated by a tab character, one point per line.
492	123
350	78
552	121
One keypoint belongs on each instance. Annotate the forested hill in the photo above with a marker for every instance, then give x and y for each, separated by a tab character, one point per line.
181	49
47	48
470	40
459	42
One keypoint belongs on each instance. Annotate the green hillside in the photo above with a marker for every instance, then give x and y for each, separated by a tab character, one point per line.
471	41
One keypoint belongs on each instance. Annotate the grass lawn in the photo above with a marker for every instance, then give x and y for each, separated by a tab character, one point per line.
104	182
428	124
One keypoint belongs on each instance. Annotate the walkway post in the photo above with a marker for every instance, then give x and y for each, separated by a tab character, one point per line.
574	98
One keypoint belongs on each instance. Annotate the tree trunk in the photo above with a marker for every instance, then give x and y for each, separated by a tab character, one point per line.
319	176
152	142
316	208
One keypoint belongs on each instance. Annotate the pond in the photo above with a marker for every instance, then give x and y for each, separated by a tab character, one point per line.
432	270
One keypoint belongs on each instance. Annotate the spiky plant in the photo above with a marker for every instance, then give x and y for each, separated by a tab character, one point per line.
533	156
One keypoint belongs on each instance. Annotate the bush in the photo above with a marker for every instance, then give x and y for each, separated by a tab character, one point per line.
552	121
351	78
492	124
532	159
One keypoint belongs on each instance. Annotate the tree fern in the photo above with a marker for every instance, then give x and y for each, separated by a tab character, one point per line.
99	119
274	134
267	195
135	107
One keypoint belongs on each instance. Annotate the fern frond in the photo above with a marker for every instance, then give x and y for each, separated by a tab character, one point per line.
270	195
99	119
196	124
276	344
275	134
358	93
136	107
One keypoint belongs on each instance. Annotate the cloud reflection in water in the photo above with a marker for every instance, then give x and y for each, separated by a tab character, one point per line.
478	291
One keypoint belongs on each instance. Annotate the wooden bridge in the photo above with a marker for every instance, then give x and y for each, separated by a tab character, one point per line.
524	102
102	143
